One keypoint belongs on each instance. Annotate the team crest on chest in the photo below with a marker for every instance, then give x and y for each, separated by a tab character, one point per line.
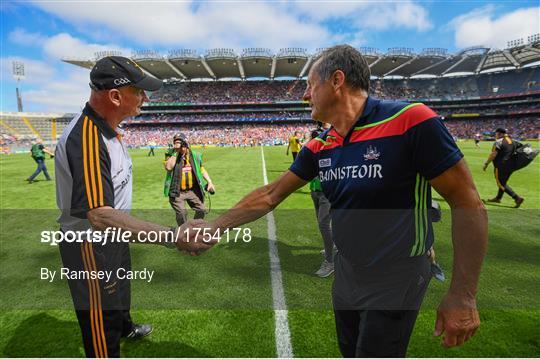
325	162
371	154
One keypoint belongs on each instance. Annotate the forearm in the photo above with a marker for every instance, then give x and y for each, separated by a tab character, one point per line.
490	158
107	217
206	176
169	164
469	238
252	207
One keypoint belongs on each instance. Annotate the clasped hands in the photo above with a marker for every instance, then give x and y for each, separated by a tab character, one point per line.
194	237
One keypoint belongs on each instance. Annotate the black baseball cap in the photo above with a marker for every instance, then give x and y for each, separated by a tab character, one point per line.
116	71
500	130
179	137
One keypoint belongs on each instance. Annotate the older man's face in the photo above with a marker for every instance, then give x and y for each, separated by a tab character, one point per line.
132	100
319	93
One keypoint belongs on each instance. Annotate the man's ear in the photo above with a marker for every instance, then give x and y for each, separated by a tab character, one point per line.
338	79
115	97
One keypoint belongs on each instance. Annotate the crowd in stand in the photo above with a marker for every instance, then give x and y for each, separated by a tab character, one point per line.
278	134
229	135
245	133
200	116
219	117
519	128
206	92
425	89
9	141
484	110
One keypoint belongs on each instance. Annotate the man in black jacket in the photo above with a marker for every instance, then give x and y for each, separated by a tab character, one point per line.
501	156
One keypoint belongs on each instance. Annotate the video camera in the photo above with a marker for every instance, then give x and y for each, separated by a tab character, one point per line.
180	137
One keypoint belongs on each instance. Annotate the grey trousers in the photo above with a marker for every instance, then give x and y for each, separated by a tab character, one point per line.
179	206
322	211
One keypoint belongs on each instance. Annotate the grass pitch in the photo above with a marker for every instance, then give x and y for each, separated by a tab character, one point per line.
220	304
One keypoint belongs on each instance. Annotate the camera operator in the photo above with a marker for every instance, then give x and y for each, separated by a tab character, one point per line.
187	180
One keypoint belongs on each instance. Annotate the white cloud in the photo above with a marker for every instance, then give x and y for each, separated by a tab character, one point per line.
67	93
207	25
51	85
36	72
47	87
20	36
64	45
481	27
404	14
236	24
369	15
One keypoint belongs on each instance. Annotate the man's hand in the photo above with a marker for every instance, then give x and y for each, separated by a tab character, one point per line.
210	188
457	319
485	166
190	239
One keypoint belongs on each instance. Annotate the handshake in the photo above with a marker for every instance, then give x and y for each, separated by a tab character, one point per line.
194	237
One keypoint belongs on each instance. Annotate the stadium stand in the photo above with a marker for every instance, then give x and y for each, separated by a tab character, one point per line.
445	88
222	63
19	129
230	135
259	100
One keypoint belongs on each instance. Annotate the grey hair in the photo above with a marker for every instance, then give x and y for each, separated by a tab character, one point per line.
347	59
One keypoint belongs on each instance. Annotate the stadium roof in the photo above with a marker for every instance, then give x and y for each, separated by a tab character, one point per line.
225	63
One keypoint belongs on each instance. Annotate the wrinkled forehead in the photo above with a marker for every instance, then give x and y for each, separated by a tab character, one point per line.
313	73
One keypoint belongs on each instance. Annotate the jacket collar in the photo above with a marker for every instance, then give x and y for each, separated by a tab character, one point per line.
100	122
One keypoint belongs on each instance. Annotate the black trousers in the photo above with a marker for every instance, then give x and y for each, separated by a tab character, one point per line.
375	309
102	306
502	175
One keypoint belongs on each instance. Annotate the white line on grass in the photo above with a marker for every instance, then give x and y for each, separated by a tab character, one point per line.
283	334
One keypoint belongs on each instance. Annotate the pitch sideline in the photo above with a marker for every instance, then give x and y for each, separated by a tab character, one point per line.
282	331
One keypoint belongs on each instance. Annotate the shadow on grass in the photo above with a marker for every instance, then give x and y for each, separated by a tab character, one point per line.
276	171
493	204
148	349
291	261
42	335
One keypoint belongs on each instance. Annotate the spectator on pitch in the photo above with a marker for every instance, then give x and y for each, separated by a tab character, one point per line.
322	213
187	180
151	146
294	145
38	152
376	166
93	191
477	138
501	156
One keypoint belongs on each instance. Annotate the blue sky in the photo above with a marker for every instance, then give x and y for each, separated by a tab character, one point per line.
40	33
